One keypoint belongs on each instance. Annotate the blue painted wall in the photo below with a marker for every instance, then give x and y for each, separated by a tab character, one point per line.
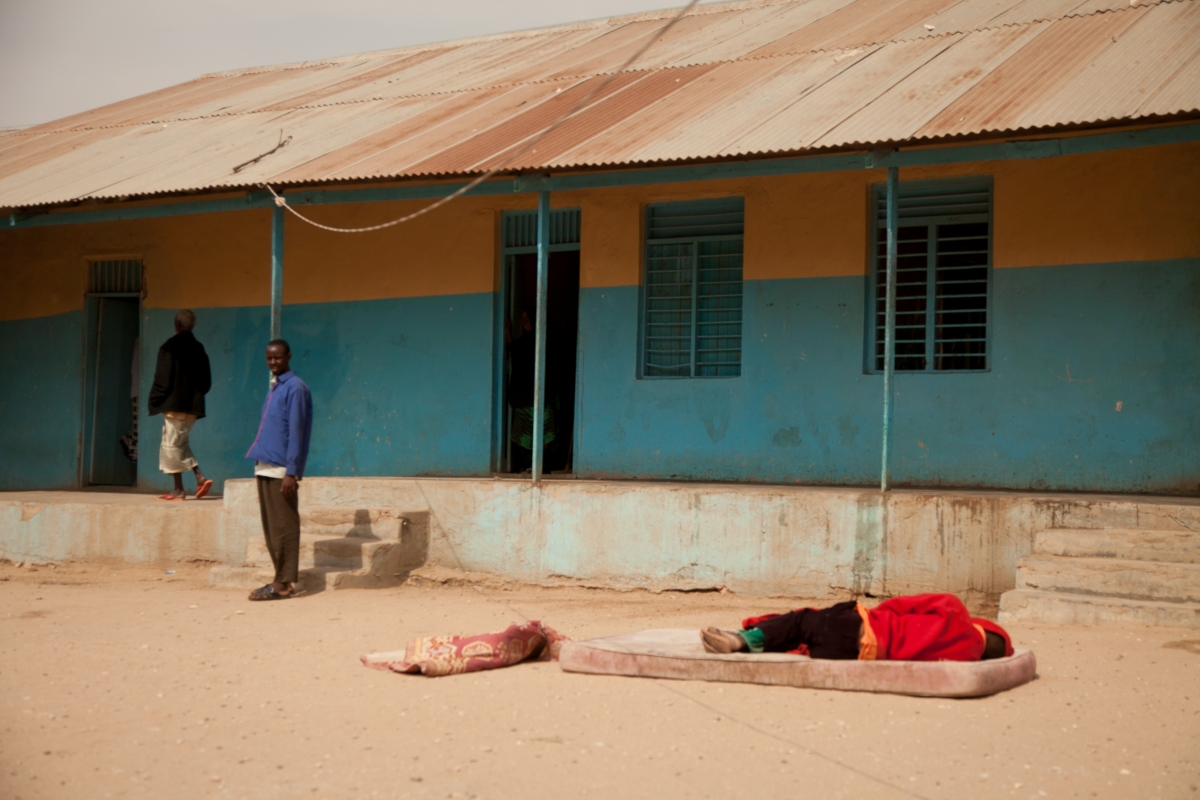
403	387
41	397
400	386
1068	344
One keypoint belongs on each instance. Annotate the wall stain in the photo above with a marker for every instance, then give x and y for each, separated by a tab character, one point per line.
717	428
786	437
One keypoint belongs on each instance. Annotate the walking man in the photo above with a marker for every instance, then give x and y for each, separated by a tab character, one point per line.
181	379
279	451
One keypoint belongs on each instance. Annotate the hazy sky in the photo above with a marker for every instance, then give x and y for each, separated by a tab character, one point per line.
59	57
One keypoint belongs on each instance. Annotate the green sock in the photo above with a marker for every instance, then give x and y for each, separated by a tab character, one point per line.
754	639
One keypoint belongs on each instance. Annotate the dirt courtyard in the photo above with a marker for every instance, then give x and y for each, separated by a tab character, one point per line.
128	682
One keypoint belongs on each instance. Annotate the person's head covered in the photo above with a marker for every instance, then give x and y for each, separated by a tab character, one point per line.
185	320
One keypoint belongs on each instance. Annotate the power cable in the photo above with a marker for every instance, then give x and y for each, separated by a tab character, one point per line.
530	144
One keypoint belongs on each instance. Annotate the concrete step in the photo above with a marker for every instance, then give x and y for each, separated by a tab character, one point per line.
321	552
363	522
1111	577
311	580
335	561
1117	513
1181	547
1062	608
224	576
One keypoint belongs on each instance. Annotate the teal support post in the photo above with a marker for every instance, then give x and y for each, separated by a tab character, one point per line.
277	272
539	338
889	325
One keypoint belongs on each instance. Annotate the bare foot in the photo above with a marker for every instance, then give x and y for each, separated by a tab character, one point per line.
719	641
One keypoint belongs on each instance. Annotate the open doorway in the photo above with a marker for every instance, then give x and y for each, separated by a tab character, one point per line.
111	378
562	331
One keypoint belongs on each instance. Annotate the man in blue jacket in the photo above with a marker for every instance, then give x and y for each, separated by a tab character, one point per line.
279	451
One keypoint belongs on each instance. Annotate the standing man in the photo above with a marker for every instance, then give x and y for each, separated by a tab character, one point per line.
181	379
280	451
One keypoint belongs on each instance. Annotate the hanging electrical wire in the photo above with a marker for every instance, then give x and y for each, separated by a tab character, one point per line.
530	144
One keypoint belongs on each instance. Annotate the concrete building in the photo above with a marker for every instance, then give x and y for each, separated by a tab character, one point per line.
716	253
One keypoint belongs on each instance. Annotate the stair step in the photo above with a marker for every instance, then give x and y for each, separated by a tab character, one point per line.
320	580
362	522
1181	547
223	576
1111	577
323	552
1064	608
1115	514
341	547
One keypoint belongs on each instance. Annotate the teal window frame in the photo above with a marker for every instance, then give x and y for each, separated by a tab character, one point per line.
692	290
944	295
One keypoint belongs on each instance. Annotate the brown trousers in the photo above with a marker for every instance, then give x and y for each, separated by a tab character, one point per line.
281	527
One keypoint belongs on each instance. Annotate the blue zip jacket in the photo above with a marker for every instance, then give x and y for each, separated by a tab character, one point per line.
286	426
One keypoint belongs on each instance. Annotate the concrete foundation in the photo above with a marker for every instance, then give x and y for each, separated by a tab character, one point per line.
71	526
750	539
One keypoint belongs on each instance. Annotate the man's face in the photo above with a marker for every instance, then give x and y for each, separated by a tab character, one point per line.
278	359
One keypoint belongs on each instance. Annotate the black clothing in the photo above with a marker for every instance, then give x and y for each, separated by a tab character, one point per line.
523	353
829	632
182	376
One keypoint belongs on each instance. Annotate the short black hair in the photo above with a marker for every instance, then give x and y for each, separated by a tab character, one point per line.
996	647
282	343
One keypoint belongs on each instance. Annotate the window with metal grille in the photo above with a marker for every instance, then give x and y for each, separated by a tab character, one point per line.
943	276
119	276
520	230
692	298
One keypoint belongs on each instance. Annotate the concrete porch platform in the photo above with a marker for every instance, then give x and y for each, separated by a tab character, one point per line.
137	528
753	539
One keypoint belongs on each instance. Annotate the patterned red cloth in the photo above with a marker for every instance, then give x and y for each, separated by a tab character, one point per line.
450	655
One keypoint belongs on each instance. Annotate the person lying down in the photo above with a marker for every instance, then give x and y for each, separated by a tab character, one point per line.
924	627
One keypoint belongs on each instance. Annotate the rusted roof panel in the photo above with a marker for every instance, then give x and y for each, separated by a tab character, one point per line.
845	94
1140	63
860	23
739	79
924	92
693	112
1030	77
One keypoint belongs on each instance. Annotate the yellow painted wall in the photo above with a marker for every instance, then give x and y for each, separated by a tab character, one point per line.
1133	205
204	260
223	260
1109	207
451	250
1130	205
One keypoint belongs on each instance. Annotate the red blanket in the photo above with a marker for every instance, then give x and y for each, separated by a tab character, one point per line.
923	627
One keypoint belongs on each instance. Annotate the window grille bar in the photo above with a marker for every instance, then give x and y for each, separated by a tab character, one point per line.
692	290
519	229
118	276
942	300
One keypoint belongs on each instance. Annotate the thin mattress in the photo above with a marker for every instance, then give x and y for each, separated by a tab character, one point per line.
678	653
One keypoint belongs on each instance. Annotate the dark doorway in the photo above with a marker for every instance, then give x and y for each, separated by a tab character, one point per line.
562	331
110	397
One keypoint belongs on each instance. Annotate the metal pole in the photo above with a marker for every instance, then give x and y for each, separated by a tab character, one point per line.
539	339
277	272
889	327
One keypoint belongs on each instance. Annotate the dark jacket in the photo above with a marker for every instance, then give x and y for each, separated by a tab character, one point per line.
182	376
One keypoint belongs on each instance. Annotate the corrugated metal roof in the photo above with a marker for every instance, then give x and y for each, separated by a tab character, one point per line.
740	79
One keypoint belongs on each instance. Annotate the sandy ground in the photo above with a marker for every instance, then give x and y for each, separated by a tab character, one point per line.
128	682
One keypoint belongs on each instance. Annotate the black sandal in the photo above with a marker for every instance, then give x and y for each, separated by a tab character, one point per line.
268	592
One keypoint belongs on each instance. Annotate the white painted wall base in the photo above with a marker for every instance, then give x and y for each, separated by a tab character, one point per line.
808	542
